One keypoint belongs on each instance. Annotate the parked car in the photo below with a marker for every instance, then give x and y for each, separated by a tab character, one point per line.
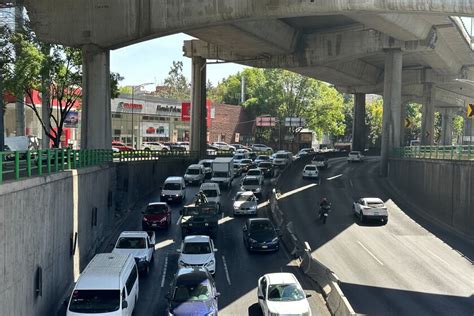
174	189
260	235
279	293
207	163
121	146
195	173
198	251
212	192
211	150
223	146
245	203
175	147
267	168
262	149
252	183
310	171
240	146
355	156
156	215
155	146
256	172
321	162
192	290
100	287
370	208
184	145
140	245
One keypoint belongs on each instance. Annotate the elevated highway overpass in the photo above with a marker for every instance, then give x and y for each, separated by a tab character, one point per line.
405	50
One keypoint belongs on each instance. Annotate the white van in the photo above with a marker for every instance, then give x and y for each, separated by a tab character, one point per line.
107	286
195	174
212	192
174	189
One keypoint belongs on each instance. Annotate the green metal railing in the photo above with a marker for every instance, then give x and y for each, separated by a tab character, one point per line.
465	152
143	155
22	164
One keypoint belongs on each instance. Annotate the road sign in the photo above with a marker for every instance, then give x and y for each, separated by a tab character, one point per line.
407	123
470	111
265	121
294	122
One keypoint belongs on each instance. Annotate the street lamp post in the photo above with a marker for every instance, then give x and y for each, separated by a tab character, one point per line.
133	109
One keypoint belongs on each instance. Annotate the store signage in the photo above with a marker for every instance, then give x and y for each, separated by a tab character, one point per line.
265	121
150	129
129	106
167	108
294	122
186	112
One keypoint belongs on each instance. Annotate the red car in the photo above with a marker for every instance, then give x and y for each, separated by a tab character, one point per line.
121	146
156	215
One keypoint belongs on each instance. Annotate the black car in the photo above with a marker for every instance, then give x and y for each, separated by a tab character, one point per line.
193	292
260	235
246	164
267	168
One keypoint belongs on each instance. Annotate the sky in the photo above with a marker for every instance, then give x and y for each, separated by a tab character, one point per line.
150	61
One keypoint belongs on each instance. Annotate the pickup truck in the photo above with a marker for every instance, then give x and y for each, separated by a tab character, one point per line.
139	244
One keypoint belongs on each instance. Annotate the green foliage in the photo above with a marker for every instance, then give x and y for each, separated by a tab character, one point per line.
458	127
413	114
125	90
373	120
177	86
115	78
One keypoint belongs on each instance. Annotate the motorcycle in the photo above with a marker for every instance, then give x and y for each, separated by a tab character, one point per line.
323	213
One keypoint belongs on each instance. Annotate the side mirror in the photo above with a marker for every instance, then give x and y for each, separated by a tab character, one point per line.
124	304
308	295
150	245
178	250
215	249
217	295
260	297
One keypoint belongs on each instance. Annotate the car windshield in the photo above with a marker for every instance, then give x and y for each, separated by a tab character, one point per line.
319	158
253	173
192	290
244	197
310	168
285	292
207	164
220	174
354	153
265	165
196	248
261	226
192	171
131	243
281	156
246	161
210	193
263	157
94	301
238	157
172	186
250	182
156	209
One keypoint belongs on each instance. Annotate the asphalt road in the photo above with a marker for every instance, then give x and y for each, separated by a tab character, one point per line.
237	270
406	267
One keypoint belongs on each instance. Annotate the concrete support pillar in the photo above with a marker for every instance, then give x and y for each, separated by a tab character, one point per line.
392	102
96	124
198	107
446	127
403	114
427	119
358	125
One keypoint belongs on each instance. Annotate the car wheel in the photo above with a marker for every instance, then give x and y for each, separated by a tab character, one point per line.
361	217
152	259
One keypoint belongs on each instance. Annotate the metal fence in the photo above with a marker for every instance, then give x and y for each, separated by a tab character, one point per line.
465	152
15	165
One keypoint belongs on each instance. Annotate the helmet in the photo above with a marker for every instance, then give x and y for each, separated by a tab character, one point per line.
324	199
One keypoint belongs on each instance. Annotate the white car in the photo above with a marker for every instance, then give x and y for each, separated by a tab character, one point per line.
282	294
223	146
155	146
195	173
262	158
207	163
245	203
256	172
355	156
212	192
282	159
310	171
370	208
238	157
242	151
262	148
138	244
198	251
184	145
251	183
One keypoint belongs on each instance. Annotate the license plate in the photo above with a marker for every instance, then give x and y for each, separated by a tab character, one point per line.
169	199
264	247
154	225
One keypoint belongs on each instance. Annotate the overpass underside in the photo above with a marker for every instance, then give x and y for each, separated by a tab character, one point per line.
407	51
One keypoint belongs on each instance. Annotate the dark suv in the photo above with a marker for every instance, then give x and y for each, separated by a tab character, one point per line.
260	235
193	292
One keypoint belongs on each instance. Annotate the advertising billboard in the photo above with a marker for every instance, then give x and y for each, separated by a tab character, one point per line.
186	112
152	129
72	119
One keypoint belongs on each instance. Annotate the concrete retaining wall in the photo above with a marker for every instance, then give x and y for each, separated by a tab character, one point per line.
39	217
444	187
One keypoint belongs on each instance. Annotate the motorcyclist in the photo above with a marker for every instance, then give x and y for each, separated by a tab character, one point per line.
324	205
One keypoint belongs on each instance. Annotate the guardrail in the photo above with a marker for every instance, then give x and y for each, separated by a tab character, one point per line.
465	152
22	164
143	155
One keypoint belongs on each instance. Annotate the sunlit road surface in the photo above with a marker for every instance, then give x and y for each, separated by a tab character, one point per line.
400	268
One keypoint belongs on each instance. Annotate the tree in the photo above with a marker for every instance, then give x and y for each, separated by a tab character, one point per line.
413	114
177	86
373	120
458	128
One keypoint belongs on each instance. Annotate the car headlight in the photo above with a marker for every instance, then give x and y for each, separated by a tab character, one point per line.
162	193
253	241
258	189
170	314
144	219
163	220
178	194
210	263
236	207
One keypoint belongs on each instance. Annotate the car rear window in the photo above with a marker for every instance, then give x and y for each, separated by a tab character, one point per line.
251	182
310	168
156	209
131	243
375	204
95	301
172	186
280	156
210	193
254	173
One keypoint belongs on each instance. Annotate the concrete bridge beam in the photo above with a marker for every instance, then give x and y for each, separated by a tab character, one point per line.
198	107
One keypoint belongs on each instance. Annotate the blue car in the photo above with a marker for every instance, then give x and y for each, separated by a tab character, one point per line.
193	292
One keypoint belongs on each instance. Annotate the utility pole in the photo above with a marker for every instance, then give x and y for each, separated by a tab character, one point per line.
2	126
19	104
242	90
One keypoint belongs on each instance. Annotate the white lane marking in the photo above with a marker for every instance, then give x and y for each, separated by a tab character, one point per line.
226	271
266	203
225	219
165	267
179	219
296	191
164	244
370	253
436	256
332	178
